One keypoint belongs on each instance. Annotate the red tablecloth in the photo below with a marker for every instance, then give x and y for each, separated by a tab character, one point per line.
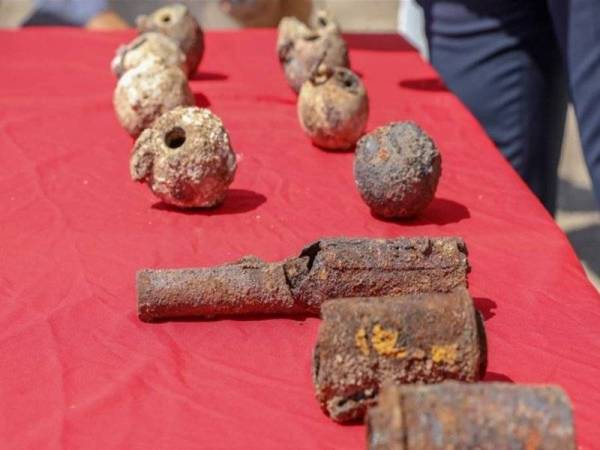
78	369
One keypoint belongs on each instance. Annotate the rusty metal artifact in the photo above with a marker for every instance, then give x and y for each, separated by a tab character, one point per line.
396	169
185	158
480	416
301	49
329	268
148	46
425	338
333	107
177	22
147	91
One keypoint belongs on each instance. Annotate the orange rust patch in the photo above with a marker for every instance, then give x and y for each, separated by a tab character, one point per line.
384	342
383	154
444	353
360	339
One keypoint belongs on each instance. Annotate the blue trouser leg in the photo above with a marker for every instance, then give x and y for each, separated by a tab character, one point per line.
577	25
502	59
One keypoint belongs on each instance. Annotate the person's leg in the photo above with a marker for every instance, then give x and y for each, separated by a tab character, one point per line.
501	58
578	30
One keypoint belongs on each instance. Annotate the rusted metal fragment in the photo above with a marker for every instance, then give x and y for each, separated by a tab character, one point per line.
482	416
355	267
363	343
249	286
330	268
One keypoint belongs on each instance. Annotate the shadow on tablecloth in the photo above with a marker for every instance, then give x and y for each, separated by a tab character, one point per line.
238	201
441	211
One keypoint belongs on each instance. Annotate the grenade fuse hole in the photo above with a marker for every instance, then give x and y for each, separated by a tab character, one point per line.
175	138
166	18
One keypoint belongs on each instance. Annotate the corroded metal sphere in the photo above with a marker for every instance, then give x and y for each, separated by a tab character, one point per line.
396	169
333	108
176	22
148	46
147	91
185	158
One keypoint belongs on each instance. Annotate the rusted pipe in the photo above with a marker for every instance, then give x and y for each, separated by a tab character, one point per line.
329	268
482	416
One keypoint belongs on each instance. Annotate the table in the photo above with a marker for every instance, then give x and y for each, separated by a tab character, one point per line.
79	370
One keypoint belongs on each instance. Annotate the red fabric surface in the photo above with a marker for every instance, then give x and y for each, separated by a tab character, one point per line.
79	370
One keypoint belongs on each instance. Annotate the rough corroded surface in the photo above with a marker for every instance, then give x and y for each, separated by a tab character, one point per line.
147	91
330	268
397	168
248	286
185	158
176	22
427	338
355	267
481	416
148	46
333	108
301	48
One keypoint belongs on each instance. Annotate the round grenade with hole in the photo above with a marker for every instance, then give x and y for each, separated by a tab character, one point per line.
185	158
301	49
333	108
176	22
397	168
148	46
147	91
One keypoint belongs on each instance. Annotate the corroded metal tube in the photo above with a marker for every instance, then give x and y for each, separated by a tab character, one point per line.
329	268
424	338
482	416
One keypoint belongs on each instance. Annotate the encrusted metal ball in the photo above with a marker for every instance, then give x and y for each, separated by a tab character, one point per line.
301	48
147	91
177	22
333	108
148	46
397	168
185	158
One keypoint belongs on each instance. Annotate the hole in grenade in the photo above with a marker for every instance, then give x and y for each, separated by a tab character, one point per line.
175	138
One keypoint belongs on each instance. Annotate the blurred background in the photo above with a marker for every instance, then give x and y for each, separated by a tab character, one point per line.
577	215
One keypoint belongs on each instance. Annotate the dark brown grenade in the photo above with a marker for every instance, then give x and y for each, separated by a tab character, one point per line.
397	168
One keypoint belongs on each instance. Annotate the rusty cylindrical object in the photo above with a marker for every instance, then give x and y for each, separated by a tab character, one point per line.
329	268
425	338
480	416
177	22
333	108
148	46
301	49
